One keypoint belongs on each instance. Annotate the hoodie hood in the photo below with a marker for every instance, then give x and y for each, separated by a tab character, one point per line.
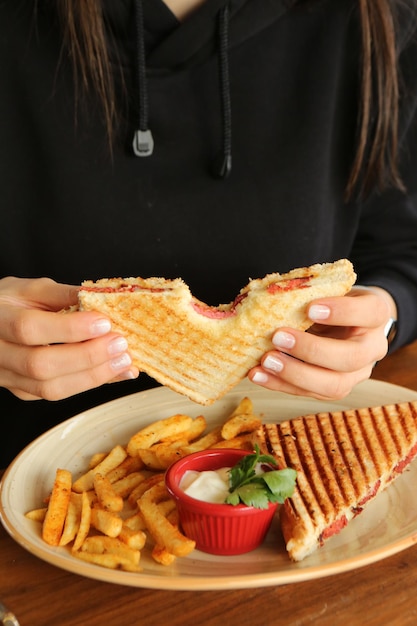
172	44
159	42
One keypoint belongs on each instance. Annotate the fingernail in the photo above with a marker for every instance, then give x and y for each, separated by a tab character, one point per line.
273	364
318	312
260	377
101	327
128	375
117	346
283	340
121	362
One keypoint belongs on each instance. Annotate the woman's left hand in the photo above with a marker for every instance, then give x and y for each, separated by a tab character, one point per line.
339	350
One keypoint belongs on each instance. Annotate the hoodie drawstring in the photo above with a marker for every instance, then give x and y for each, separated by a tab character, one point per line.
143	143
142	140
223	163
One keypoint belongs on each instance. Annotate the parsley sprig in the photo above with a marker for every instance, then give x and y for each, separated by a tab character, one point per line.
257	489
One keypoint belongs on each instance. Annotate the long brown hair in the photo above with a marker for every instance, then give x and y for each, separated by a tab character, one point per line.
377	141
85	42
375	164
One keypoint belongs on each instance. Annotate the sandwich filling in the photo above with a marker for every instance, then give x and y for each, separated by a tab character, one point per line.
290	284
213	312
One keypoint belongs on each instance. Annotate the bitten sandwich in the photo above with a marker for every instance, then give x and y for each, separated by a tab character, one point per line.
203	351
343	460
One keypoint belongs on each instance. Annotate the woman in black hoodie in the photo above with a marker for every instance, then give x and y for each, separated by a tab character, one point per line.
210	140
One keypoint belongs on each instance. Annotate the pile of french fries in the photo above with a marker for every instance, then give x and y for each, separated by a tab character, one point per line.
107	515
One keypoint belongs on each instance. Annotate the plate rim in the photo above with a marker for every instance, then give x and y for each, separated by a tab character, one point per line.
189	582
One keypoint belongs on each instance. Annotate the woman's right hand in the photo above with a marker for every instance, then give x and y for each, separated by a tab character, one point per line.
45	353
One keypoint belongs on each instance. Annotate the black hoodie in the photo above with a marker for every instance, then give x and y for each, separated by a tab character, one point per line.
73	211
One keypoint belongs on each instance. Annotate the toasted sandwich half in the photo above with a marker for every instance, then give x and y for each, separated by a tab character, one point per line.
203	351
343	460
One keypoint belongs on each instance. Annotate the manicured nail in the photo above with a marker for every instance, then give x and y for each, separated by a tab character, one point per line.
128	375
260	377
101	327
121	362
283	340
318	312
117	346
273	364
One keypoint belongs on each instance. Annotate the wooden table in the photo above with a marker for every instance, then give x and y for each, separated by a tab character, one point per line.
382	594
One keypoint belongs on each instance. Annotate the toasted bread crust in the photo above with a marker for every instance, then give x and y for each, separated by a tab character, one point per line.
203	351
343	459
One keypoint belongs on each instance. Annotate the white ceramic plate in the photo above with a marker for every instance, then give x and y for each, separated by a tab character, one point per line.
388	525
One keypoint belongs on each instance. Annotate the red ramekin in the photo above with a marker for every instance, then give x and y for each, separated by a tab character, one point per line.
222	529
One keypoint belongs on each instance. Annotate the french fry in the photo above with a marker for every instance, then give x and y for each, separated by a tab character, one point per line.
161	455
245	406
86	482
135	522
240	424
241	442
163	532
159	553
172	516
53	523
156	431
107	523
242	420
125	486
129	465
109	552
98	544
207	441
168	509
109	560
142	487
72	519
196	429
162	556
96	459
85	522
91	495
135	539
106	495
37	515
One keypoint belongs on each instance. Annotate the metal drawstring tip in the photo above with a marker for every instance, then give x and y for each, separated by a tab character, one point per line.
222	166
143	143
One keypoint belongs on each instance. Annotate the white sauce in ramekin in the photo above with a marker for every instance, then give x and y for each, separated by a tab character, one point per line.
210	485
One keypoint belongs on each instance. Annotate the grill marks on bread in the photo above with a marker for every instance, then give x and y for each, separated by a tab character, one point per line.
343	459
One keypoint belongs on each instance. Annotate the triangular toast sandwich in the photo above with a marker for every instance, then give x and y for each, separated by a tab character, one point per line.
343	460
203	351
